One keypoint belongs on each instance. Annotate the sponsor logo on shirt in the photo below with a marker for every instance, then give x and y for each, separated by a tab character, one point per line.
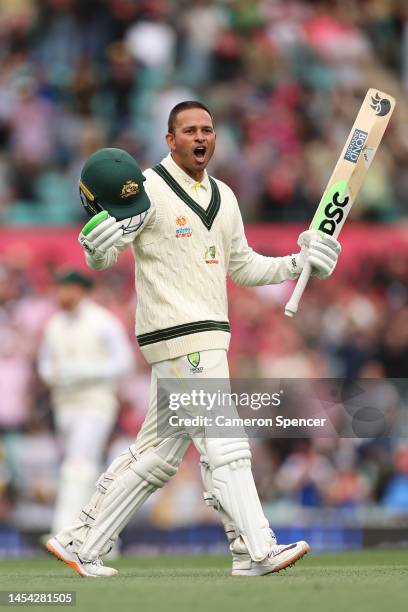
210	256
182	230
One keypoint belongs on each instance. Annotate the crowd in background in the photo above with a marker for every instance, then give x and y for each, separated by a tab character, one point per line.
284	79
353	326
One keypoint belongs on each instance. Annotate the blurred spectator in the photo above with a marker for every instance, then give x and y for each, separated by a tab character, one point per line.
83	353
284	78
396	493
305	475
32	462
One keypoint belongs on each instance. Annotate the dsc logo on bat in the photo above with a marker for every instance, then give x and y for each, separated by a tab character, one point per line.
331	210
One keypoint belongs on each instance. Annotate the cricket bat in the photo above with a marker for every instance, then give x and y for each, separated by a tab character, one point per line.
348	176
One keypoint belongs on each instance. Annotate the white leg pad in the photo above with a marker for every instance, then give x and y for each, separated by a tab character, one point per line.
234	488
211	500
120	492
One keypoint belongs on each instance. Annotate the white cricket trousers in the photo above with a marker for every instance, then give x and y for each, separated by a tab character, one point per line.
212	364
154	457
83	433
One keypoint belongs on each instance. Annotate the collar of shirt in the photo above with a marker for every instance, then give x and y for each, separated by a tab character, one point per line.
182	177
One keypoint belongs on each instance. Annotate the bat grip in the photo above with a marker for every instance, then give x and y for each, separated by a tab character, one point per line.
293	304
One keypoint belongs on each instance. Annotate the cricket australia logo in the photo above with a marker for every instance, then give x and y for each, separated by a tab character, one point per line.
381	106
194	360
182	231
210	255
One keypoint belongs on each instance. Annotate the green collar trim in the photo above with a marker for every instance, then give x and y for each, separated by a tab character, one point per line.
206	216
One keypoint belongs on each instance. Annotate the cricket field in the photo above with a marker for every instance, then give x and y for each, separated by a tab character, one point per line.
366	581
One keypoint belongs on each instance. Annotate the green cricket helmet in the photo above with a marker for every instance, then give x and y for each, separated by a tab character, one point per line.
112	180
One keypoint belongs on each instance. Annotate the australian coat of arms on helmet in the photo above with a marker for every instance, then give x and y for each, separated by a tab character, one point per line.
129	188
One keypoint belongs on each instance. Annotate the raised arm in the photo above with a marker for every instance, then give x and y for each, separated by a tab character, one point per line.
103	238
248	268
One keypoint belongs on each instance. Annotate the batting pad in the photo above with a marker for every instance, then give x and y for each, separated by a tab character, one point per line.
234	487
120	492
211	500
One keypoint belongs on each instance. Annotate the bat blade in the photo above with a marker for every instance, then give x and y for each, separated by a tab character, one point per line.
348	175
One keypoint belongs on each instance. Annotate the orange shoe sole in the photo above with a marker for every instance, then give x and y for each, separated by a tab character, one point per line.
71	564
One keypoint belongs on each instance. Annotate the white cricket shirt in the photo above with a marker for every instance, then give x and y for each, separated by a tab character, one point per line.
192	237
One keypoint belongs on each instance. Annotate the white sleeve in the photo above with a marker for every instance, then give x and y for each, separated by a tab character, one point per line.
120	353
107	260
45	362
249	269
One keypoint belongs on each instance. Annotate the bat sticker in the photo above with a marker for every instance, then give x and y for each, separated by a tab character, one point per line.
381	106
331	209
368	155
355	146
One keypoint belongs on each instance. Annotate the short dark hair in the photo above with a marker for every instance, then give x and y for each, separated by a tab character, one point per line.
182	106
74	277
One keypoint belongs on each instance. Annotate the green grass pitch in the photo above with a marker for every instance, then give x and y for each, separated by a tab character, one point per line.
366	581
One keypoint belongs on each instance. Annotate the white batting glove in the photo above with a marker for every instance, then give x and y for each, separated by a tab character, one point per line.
320	250
106	232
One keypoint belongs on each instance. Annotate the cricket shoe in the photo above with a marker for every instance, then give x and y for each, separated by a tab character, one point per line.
280	557
92	569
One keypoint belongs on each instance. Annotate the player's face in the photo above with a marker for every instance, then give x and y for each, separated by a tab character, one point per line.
193	142
69	295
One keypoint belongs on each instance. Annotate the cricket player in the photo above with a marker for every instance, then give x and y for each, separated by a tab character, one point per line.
84	351
186	233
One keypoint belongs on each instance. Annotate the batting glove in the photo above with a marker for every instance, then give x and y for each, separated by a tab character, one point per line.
102	231
320	250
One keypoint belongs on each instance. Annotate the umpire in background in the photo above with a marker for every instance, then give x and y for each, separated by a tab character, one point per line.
84	351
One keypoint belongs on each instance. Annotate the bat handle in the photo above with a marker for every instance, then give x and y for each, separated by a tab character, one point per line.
293	304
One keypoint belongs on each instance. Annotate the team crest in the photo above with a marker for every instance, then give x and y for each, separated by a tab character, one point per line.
210	255
129	188
182	231
194	360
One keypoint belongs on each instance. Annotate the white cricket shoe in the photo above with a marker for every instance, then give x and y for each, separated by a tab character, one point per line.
93	569
280	557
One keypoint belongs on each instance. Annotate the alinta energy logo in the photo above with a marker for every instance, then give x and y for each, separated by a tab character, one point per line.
381	106
182	231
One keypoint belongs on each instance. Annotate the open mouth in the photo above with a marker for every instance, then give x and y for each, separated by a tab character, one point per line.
199	153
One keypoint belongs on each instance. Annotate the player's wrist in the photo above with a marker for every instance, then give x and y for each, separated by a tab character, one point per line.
296	263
